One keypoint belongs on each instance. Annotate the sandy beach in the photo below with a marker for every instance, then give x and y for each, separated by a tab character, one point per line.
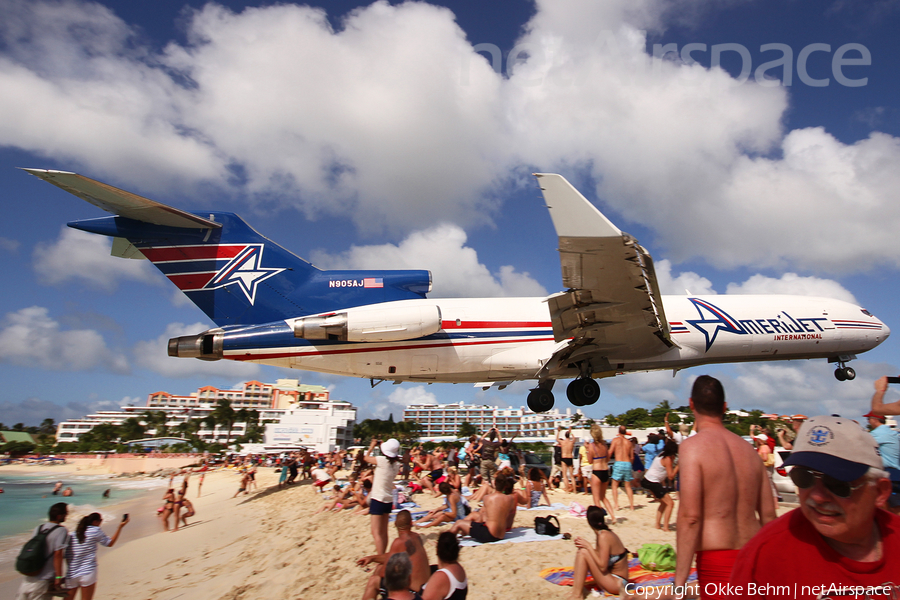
271	545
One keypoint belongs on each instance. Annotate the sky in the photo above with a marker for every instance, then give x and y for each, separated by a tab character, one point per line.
751	147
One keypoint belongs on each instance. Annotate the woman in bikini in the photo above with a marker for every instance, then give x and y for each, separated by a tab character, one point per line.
187	507
535	488
168	508
607	563
598	454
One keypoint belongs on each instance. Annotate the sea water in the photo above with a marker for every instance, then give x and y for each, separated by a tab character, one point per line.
27	498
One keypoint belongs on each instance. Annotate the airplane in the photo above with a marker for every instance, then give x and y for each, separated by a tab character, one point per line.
272	307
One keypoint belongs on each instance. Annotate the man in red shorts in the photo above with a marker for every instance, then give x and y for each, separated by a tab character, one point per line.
725	495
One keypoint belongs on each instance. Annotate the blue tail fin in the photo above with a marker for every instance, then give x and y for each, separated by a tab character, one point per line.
235	275
238	277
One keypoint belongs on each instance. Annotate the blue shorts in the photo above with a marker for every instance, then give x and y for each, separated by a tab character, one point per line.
622	471
377	507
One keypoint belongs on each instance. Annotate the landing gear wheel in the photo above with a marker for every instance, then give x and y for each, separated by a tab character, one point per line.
540	400
841	374
849	373
583	392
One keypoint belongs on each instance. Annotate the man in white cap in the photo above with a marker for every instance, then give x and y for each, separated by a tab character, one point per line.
839	536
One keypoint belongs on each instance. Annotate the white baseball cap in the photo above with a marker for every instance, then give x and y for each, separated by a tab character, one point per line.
835	446
390	448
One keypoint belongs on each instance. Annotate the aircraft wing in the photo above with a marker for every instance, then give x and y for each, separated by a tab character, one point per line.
612	306
122	203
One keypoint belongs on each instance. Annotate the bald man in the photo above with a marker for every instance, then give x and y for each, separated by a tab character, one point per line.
406	541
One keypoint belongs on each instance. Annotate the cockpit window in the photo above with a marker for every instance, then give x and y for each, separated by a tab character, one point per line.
867	313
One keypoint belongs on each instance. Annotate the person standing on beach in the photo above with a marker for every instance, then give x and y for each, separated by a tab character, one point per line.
598	454
200	483
724	493
35	587
381	498
622	471
82	554
168	508
567	446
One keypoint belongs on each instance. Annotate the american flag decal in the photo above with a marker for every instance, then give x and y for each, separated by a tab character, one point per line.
373	282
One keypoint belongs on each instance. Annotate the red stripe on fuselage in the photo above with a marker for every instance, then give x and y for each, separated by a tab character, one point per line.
380	349
174	253
492	324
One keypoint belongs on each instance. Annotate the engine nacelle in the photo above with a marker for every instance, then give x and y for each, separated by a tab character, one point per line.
205	346
371	324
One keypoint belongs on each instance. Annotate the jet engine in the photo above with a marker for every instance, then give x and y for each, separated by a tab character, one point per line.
205	346
403	321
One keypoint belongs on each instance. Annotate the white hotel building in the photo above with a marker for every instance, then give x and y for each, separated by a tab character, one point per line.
442	421
320	422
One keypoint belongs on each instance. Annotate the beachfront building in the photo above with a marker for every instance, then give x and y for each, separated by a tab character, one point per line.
321	426
271	400
442	421
281	395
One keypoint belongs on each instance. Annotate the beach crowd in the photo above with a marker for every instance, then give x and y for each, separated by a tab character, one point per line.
718	487
708	484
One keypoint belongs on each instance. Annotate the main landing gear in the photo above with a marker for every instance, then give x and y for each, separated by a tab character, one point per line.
580	392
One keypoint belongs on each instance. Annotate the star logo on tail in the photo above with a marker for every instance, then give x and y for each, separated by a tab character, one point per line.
244	271
713	320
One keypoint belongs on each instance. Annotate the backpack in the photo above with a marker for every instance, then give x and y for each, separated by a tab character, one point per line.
544	526
657	557
33	557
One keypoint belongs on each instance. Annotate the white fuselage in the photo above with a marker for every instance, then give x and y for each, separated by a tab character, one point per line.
506	339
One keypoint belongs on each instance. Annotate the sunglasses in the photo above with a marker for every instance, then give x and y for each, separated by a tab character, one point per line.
804	478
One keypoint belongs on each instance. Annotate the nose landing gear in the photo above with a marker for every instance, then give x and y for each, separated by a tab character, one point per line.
845	374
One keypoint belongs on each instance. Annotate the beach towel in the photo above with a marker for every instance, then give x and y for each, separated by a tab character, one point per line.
554	506
415	515
638	575
516	535
577	510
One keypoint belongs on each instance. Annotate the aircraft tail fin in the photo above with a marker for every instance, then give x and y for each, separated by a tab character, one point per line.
231	272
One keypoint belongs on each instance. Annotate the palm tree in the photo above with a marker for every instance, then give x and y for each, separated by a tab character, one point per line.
225	415
132	429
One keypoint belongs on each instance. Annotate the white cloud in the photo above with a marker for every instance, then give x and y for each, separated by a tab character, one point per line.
791	283
394	121
404	396
681	284
154	355
806	387
454	266
9	245
33	410
30	337
85	256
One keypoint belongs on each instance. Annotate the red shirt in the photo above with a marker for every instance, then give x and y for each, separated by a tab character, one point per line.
788	558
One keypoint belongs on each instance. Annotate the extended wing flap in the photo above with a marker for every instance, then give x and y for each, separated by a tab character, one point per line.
122	203
612	307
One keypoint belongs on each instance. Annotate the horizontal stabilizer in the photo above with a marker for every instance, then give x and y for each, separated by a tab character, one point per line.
122	203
